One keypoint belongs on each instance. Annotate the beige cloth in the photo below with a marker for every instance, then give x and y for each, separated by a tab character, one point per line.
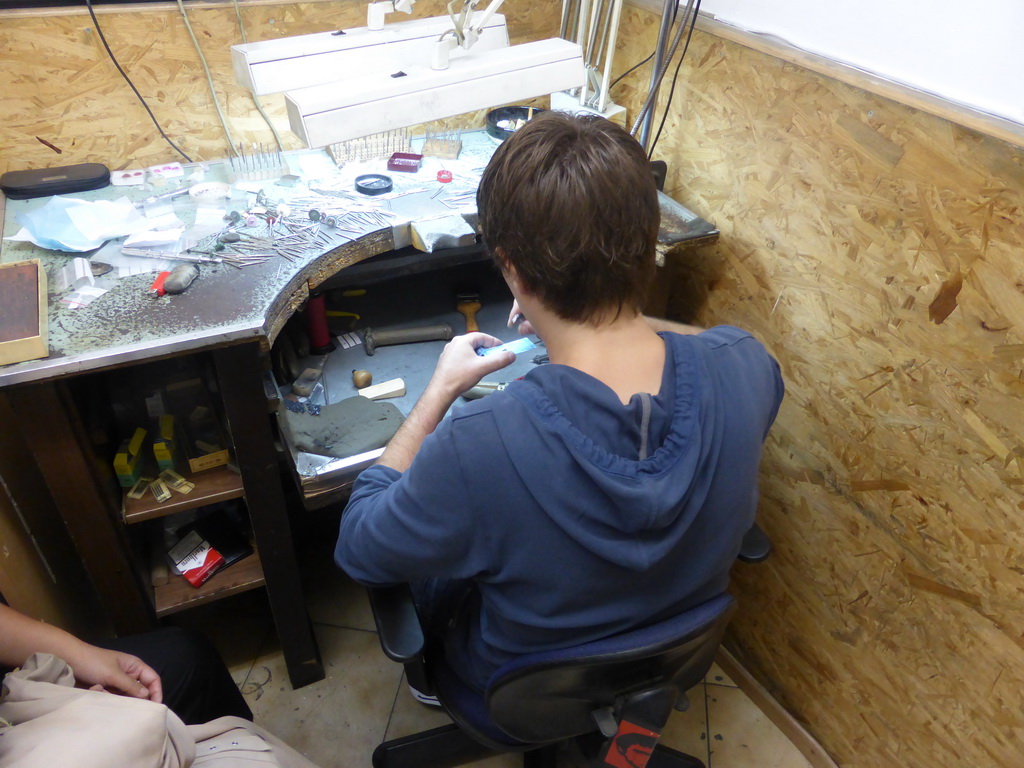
45	722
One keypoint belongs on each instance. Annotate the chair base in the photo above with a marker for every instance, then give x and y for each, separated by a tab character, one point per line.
446	747
666	757
587	749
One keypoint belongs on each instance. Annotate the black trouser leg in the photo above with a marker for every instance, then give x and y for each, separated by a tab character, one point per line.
197	686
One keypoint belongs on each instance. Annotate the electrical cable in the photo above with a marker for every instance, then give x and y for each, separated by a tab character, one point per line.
255	98
675	10
110	53
209	77
660	75
628	71
675	76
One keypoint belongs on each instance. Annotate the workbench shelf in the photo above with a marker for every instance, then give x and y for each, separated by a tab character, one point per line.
122	541
178	595
212	486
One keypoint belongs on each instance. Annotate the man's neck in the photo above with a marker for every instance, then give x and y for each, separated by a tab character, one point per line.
623	352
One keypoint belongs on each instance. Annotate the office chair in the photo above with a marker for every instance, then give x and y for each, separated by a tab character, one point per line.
611	696
606	696
756	546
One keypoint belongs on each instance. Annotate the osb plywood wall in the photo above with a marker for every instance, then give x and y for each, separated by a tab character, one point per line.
879	254
876	250
63	102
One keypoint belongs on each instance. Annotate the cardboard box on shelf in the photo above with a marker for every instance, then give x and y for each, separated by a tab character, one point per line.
128	462
164	444
195	559
201	437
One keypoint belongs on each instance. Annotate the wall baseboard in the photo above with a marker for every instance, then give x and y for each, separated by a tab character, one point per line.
774	711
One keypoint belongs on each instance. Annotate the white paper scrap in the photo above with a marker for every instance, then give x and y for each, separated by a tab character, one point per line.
83	296
152	238
75	274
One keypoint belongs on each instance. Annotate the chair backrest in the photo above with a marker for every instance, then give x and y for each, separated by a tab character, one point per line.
545	697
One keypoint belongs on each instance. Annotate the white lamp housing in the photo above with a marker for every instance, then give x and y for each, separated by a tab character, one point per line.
377	102
273	66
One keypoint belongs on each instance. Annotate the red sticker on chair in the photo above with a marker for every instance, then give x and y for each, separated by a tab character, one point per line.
631	747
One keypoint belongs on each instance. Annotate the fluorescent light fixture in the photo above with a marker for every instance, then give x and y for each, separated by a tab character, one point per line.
377	101
273	66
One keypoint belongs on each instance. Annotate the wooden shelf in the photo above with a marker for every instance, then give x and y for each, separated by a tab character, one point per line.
212	485
179	595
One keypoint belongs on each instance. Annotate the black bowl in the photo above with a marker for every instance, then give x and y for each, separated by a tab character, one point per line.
503	121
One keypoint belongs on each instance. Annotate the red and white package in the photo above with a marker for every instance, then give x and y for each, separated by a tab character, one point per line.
195	559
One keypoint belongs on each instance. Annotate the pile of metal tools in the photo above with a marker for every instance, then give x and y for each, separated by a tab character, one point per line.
259	164
376	146
294	230
442	142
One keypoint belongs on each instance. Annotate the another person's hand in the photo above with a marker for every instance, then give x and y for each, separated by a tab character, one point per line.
460	368
516	319
104	670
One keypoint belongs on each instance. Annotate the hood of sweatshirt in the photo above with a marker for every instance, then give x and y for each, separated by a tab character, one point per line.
636	470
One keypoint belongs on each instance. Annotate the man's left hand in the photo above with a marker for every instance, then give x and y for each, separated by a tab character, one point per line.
458	368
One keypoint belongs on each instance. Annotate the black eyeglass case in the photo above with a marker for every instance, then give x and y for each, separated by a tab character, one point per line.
41	182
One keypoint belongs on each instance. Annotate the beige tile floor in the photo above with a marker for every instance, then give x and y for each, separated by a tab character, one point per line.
363	700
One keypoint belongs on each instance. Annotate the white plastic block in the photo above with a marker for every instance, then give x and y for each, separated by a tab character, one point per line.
327	114
273	66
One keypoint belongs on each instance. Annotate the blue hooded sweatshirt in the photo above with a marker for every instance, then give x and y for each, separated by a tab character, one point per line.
577	517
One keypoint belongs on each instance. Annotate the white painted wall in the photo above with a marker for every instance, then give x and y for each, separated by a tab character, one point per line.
968	52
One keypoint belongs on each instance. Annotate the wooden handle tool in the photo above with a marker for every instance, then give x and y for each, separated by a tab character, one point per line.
469	304
373	339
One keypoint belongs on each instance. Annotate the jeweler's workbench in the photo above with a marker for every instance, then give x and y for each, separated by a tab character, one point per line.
229	305
296	232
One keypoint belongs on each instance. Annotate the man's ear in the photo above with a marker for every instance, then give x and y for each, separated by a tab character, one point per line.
501	259
507	270
512	279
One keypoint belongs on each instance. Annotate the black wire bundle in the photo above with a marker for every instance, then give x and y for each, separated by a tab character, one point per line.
675	76
110	53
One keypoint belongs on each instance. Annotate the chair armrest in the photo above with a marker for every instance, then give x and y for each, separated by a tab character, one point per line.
398	626
756	546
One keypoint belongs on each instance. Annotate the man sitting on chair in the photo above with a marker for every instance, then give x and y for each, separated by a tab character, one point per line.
602	492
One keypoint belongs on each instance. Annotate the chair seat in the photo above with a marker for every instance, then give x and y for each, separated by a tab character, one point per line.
537	701
468	708
553	694
550	696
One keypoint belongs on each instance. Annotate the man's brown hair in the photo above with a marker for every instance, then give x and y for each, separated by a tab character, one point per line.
569	201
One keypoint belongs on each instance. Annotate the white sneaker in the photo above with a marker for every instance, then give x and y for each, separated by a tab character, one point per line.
424	698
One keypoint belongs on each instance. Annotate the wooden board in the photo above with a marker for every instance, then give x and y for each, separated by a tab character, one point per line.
212	486
876	251
178	595
23	324
77	108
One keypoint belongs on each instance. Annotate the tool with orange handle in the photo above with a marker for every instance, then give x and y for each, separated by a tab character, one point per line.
469	304
157	288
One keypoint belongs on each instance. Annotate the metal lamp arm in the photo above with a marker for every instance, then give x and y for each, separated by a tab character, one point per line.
376	12
466	30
